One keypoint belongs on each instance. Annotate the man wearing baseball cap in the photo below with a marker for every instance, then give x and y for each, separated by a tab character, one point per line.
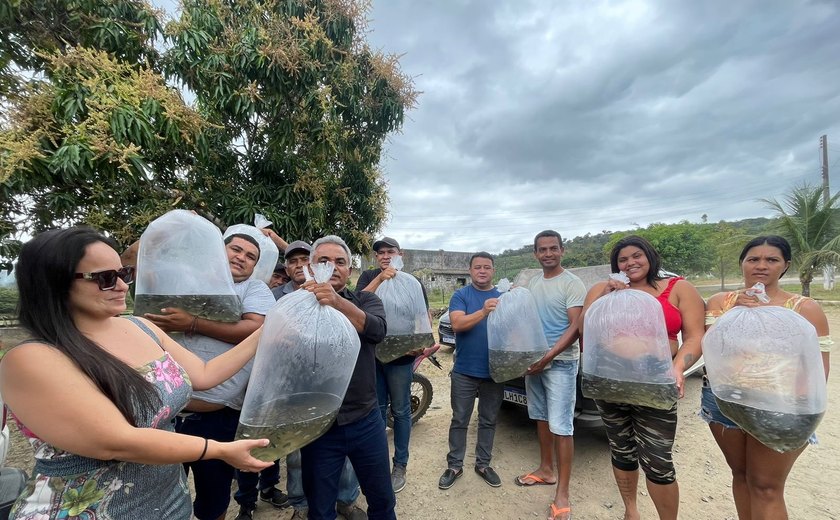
393	380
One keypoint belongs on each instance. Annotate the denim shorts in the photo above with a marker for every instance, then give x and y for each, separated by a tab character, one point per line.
551	395
710	412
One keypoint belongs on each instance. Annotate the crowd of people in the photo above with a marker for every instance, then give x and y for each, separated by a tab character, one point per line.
159	396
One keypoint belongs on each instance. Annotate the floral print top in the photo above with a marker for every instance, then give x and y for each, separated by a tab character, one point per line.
69	486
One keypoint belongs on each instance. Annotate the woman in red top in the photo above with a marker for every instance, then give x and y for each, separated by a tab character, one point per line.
639	434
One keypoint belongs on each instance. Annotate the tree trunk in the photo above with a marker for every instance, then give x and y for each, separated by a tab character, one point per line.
805	278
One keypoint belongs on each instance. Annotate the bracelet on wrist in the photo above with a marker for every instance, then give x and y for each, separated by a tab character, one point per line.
204	451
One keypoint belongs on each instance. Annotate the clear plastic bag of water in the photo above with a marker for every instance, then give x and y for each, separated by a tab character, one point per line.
406	315
626	356
182	263
304	362
766	373
515	336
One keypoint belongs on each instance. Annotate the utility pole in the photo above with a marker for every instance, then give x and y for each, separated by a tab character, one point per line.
828	271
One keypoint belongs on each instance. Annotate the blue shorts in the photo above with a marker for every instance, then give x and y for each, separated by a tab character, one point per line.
710	412
551	396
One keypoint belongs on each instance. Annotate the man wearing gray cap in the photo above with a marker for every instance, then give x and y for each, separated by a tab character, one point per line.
393	380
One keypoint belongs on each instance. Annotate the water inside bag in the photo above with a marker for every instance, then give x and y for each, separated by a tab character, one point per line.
289	423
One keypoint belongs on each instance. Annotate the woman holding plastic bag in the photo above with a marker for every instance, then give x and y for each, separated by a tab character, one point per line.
759	472
643	435
98	393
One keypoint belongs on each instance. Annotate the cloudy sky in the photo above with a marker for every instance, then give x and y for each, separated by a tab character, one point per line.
603	115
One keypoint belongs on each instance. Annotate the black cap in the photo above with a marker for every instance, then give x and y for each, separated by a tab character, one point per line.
297	245
280	267
385	241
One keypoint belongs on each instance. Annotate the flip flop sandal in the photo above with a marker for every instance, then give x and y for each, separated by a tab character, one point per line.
557	511
522	480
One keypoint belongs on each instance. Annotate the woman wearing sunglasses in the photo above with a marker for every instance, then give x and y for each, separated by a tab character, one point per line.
96	394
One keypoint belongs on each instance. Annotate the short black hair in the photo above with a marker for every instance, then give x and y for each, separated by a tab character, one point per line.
548	233
654	260
776	241
247	238
482	254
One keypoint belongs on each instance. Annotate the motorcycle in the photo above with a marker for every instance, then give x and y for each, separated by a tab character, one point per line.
421	387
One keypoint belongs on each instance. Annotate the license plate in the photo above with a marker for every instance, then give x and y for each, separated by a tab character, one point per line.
513	396
448	339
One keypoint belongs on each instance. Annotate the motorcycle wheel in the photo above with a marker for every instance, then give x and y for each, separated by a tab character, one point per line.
421	398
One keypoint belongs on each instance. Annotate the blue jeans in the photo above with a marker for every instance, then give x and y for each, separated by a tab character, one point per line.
348	485
212	477
365	444
462	398
393	383
249	482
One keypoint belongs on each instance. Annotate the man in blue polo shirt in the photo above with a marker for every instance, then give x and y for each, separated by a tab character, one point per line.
468	311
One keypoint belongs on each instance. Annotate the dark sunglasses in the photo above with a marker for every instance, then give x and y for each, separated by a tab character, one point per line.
107	280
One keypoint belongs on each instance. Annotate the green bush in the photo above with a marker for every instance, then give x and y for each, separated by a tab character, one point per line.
8	301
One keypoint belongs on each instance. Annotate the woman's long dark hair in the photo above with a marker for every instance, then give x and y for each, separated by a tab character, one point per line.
776	241
647	248
45	272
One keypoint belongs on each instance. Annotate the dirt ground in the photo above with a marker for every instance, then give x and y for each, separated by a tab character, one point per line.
702	473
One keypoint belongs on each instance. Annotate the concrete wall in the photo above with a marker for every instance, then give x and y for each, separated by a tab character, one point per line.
449	269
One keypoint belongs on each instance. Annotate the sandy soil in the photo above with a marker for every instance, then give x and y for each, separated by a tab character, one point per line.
702	473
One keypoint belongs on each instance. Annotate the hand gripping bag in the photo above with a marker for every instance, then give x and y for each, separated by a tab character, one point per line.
766	373
515	336
409	328
269	254
182	263
304	361
626	352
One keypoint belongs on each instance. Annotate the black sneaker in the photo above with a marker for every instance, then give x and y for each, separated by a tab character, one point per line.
489	476
274	497
447	480
245	513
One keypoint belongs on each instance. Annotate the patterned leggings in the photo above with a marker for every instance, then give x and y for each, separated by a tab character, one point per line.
639	434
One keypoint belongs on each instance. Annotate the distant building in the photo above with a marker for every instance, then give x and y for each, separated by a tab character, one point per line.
437	269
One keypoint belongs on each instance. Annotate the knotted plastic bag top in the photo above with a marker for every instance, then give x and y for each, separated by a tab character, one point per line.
304	362
515	334
766	372
182	263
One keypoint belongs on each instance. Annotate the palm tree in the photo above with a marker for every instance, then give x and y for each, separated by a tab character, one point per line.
810	224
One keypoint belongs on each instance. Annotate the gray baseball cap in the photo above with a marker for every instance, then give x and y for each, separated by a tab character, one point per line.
297	245
385	241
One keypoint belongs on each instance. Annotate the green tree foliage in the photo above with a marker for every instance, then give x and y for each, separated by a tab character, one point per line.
811	226
587	250
92	133
726	242
300	107
291	112
685	248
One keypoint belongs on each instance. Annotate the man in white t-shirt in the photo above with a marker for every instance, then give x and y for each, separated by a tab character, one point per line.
551	382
